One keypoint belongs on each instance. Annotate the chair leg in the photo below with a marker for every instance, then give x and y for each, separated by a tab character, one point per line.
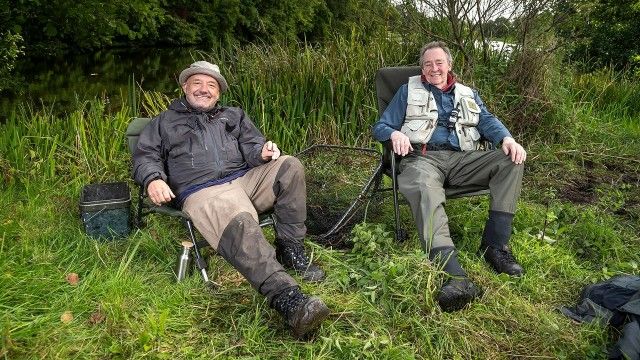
400	234
200	263
365	193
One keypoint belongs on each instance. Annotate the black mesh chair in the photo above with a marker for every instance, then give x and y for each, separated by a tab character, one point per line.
388	81
145	207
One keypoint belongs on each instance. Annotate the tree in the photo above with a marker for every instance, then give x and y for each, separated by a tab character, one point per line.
10	48
601	32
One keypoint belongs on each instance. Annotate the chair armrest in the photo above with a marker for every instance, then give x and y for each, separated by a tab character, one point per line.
389	158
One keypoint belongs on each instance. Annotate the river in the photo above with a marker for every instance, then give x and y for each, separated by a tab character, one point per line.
59	83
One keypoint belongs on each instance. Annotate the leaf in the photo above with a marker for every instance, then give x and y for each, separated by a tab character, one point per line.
72	279
66	317
96	318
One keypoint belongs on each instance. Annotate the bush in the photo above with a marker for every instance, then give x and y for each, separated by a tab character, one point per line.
10	49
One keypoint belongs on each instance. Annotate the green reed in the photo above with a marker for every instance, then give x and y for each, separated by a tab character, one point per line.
87	144
298	94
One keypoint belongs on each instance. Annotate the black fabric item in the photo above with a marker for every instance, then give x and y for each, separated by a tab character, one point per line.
497	230
628	347
613	301
301	312
446	257
291	255
189	147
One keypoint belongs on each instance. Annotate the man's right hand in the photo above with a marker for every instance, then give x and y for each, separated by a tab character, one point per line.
159	192
401	144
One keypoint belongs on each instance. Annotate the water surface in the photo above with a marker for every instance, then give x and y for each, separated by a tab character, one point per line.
60	83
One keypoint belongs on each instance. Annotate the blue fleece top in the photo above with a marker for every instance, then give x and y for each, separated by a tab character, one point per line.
489	126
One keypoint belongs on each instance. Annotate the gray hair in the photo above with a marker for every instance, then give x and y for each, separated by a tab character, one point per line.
434	45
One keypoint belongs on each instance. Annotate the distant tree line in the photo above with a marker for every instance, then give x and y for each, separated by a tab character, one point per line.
591	33
59	26
601	33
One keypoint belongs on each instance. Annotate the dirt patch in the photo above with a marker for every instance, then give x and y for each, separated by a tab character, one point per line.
580	190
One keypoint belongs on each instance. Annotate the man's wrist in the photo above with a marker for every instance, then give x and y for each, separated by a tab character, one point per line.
153	177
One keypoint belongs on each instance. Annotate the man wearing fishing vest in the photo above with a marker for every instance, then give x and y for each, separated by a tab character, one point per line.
436	124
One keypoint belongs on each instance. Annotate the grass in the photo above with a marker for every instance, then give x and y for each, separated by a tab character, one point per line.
581	190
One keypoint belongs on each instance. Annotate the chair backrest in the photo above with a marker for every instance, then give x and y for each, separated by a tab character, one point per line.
389	80
133	132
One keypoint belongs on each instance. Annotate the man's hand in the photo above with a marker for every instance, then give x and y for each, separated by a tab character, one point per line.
270	151
517	152
401	143
159	192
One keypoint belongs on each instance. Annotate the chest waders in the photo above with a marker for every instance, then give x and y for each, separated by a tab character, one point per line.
422	178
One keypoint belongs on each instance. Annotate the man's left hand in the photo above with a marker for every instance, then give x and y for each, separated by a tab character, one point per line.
517	152
270	151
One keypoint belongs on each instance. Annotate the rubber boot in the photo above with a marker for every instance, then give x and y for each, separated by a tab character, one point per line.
494	246
458	290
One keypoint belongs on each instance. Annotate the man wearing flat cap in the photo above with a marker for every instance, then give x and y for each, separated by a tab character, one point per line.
213	162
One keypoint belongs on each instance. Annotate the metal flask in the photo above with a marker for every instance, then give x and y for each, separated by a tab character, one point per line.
184	261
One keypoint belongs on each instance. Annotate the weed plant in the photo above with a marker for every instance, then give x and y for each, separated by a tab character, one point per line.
577	223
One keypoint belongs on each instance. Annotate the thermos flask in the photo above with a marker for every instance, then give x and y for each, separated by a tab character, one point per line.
184	261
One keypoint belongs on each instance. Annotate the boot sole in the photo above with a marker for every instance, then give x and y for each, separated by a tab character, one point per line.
311	314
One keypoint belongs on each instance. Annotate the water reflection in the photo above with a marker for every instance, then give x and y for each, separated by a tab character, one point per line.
59	83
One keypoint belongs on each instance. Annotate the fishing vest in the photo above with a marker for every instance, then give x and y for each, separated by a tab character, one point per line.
421	116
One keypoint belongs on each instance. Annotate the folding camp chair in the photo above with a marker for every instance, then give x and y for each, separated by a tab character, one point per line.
145	207
388	81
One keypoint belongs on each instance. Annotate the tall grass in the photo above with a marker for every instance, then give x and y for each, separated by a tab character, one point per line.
300	94
88	144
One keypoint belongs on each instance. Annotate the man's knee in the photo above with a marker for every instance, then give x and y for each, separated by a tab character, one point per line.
422	183
506	163
241	226
290	176
292	166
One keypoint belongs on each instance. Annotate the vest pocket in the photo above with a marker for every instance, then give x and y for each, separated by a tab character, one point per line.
470	112
469	139
418	131
417	104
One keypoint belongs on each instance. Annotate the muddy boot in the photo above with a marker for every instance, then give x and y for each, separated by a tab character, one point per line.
456	293
301	312
291	255
494	246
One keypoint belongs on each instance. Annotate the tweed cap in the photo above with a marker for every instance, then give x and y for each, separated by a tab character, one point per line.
206	68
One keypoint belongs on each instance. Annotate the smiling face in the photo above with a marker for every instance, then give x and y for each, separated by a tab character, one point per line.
202	91
436	67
